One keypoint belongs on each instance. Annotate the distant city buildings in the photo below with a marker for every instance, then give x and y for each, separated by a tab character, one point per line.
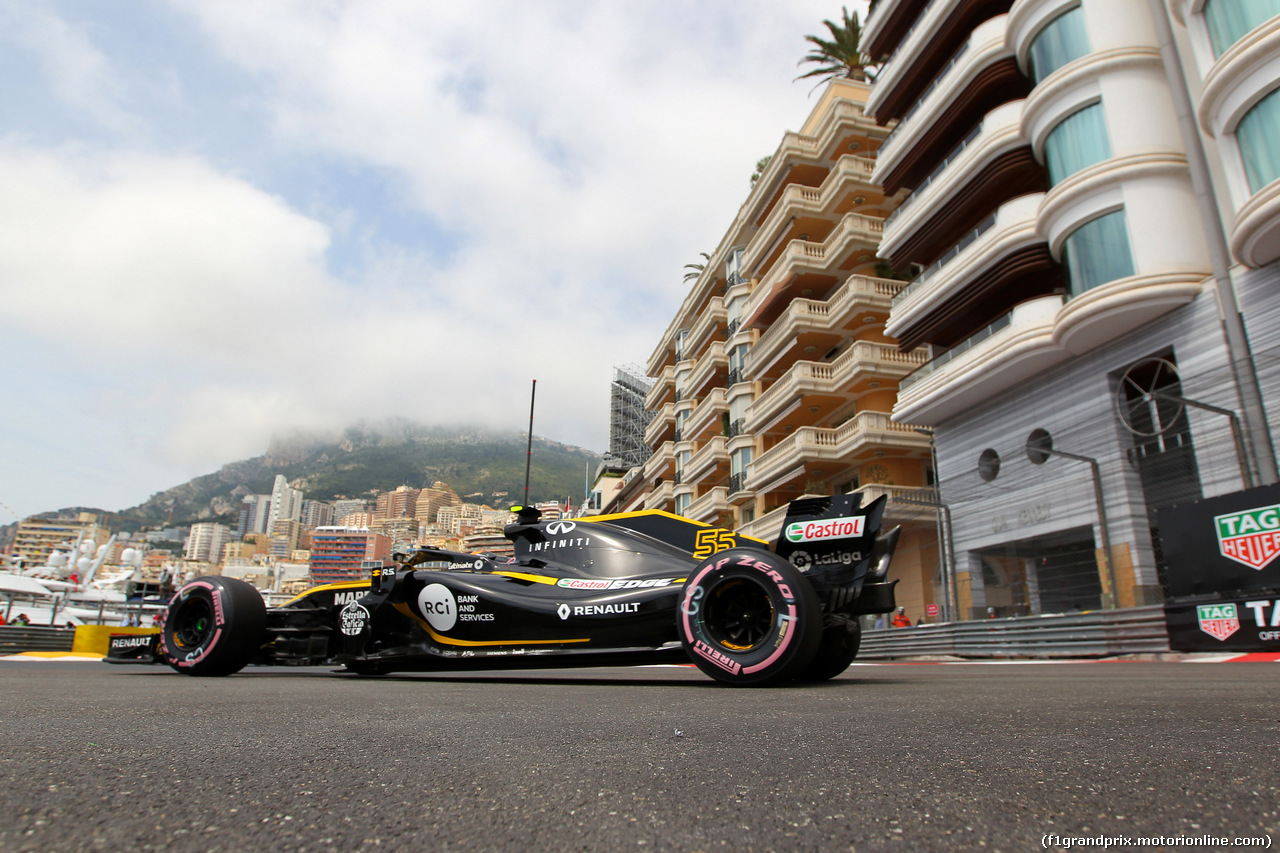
339	553
206	542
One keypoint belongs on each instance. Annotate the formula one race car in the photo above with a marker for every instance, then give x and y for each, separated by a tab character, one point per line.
635	588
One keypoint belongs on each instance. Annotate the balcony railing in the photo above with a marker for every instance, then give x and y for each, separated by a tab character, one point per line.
929	272
957	350
735	376
737	427
733	327
888	140
937	170
737	482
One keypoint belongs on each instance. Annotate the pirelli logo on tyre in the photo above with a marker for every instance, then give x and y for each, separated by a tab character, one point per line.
821	530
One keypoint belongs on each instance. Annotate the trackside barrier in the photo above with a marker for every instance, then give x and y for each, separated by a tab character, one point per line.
1100	633
14	639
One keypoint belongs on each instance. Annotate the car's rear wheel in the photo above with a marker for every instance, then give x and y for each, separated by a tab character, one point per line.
839	646
747	617
214	626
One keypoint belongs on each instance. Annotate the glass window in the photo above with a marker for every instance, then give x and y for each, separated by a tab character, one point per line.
739	460
682	503
1230	20
1079	140
1257	134
1098	252
1062	40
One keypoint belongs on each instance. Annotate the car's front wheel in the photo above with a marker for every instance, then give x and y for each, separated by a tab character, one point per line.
747	617
214	626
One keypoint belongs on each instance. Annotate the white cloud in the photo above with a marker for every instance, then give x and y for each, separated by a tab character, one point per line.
575	155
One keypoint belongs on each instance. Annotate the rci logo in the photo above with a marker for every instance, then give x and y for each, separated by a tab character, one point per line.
555	528
438	606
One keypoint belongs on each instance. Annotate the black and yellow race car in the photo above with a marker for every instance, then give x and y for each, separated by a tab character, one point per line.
635	588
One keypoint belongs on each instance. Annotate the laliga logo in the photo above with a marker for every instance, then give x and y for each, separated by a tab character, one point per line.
437	604
555	528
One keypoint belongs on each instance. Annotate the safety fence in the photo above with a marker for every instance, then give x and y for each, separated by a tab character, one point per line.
1100	633
14	639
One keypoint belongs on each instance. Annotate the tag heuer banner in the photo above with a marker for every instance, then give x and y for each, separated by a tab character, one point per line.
1223	545
1223	582
1243	625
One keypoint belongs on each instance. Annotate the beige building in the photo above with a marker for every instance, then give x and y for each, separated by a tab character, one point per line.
775	378
399	503
37	538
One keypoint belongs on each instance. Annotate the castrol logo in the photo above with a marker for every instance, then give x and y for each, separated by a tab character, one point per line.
832	528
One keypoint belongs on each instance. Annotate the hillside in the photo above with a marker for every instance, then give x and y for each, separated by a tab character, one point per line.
480	465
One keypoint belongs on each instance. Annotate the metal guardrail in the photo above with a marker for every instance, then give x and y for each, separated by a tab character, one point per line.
14	639
1101	633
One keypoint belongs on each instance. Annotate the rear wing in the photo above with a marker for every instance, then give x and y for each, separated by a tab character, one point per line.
837	536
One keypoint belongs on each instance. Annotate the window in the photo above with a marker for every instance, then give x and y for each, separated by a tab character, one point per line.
1256	135
1079	140
1098	252
1062	40
733	266
682	504
1230	20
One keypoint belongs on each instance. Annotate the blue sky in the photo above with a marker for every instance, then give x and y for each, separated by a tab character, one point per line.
223	220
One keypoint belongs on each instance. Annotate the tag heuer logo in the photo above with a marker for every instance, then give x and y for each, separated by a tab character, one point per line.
1218	620
1251	537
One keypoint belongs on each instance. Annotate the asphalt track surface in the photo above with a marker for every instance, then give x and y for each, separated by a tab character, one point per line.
888	757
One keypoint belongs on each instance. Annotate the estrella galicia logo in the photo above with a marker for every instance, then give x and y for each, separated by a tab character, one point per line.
1251	537
1218	620
555	528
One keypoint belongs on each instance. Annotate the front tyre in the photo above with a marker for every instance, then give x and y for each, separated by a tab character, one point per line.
747	617
214	626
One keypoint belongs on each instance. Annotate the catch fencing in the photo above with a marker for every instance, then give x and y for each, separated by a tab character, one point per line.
1138	630
14	639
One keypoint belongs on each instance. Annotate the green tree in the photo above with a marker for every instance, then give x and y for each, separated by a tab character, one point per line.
695	270
761	165
841	55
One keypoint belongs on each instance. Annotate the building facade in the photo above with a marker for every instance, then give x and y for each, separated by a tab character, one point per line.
1091	221
775	378
37	538
205	542
340	553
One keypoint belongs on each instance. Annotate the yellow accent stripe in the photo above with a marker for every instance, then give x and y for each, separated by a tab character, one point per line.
646	512
322	587
449	641
521	576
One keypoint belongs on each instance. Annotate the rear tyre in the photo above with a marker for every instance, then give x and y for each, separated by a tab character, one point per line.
839	646
214	626
747	617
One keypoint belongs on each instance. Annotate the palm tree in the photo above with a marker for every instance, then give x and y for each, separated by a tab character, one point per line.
695	270
841	55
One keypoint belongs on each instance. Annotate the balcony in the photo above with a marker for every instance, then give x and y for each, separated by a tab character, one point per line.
821	325
662	427
861	435
851	242
710	506
708	322
802	209
1003	355
1004	261
888	23
939	31
981	75
737	483
828	385
707	416
710	463
660	497
712	367
662	463
663	388
989	167
1255	233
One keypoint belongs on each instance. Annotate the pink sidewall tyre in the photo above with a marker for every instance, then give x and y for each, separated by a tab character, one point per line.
214	626
748	618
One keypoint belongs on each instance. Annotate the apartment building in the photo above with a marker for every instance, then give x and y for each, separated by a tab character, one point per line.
37	538
775	378
1092	222
402	502
205	542
340	553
